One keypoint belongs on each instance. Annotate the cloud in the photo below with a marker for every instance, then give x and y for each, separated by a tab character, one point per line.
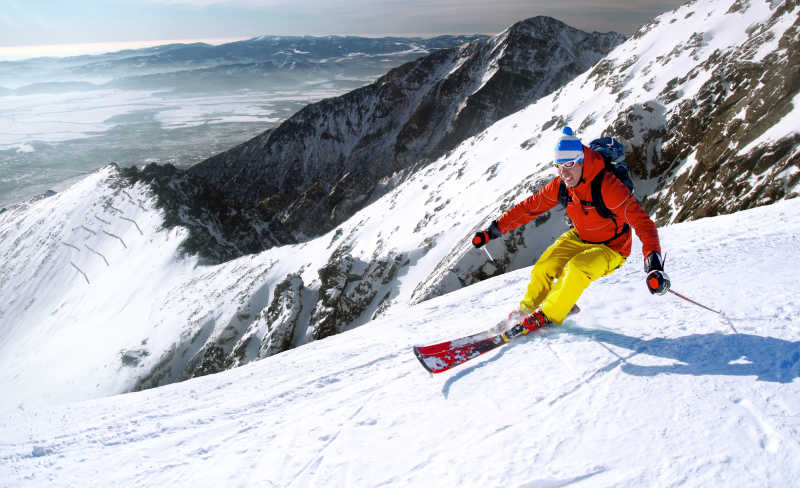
240	3
445	16
135	20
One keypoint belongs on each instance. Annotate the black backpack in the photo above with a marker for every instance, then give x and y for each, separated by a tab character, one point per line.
613	153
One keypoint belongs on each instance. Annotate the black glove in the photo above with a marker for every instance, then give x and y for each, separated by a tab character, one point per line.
481	238
657	280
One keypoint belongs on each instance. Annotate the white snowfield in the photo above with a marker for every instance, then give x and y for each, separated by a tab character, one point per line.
636	390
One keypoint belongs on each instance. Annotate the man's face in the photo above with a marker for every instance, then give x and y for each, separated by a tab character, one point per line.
571	176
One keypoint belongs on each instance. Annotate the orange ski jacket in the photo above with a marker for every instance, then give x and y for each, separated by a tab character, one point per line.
590	226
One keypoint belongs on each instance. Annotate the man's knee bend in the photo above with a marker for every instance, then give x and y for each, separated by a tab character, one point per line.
588	271
545	272
548	268
594	265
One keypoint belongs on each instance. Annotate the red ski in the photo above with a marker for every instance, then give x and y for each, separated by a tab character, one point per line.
445	355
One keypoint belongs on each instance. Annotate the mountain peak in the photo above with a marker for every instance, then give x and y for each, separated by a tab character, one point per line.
325	163
544	26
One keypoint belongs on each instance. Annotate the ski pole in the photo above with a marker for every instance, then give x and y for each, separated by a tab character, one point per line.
490	255
692	301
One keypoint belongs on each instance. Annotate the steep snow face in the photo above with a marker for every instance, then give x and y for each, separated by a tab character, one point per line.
86	275
634	391
97	299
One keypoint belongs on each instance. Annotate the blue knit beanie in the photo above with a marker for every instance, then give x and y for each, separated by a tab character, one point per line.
568	147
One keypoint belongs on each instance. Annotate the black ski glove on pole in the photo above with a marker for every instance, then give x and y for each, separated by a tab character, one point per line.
481	238
657	280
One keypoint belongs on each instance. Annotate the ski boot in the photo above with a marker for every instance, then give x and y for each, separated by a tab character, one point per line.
529	323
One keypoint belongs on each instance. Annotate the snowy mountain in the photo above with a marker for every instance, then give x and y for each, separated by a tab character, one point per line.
99	300
640	391
178	104
712	117
311	173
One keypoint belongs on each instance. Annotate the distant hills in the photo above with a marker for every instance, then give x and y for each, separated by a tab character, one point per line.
254	63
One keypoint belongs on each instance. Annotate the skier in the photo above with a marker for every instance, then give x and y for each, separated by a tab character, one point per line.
594	248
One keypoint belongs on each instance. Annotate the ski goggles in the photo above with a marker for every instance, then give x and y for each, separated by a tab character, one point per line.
566	164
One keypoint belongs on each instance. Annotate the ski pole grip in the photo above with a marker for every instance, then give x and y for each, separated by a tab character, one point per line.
657	282
480	239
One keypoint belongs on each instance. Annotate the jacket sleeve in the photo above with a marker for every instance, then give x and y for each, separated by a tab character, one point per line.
530	208
620	201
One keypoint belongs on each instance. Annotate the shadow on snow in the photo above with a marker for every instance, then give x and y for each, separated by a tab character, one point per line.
767	358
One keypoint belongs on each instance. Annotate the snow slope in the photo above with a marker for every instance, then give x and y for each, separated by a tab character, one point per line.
634	391
97	301
78	291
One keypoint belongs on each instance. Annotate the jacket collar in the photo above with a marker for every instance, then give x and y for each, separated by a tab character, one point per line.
592	165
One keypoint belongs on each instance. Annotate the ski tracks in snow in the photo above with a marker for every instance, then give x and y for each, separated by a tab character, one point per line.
213	425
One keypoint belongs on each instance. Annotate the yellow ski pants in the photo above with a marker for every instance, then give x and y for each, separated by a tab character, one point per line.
563	271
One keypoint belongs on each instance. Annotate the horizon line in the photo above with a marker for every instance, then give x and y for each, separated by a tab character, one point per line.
66	50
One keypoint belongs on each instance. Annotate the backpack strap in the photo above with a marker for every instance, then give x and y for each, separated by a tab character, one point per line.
625	229
597	196
563	195
602	209
564	198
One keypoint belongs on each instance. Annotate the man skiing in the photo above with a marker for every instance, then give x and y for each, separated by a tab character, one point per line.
598	244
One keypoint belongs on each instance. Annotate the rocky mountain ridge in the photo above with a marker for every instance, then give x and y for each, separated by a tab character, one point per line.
332	158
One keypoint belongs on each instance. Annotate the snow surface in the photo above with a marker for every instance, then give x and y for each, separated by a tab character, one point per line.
636	390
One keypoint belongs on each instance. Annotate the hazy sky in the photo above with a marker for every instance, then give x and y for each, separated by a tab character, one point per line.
47	22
